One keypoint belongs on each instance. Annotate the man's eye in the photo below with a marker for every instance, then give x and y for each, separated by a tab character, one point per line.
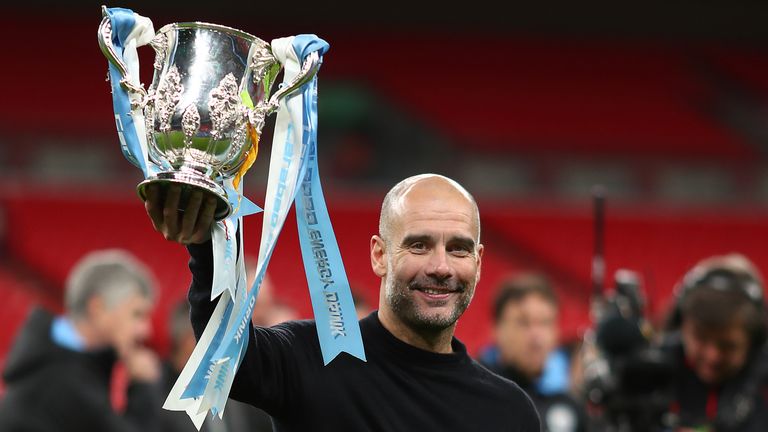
459	250
418	246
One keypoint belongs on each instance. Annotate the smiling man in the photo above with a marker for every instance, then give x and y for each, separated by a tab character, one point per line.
418	376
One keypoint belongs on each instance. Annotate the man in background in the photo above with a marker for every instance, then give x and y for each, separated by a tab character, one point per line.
59	370
716	337
526	350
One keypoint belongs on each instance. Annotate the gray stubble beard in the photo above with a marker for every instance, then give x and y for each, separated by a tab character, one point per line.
403	306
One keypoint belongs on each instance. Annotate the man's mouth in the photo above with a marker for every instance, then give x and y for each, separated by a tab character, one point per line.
435	293
432	291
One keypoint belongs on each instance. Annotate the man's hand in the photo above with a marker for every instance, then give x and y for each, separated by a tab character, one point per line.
141	364
193	225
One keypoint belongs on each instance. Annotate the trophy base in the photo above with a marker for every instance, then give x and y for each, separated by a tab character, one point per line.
188	184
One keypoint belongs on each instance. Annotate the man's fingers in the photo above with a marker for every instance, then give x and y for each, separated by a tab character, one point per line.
153	206
171	212
202	230
190	215
195	224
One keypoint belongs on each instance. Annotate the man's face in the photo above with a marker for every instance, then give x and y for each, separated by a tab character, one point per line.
526	333
715	354
126	324
432	260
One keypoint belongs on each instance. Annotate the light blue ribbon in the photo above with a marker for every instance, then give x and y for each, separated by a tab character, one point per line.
197	385
237	336
241	205
123	21
335	316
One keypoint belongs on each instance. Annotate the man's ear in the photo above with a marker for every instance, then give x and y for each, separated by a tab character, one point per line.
95	306
480	250
378	259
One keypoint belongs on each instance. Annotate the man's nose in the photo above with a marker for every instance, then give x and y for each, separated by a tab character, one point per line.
438	265
145	329
712	353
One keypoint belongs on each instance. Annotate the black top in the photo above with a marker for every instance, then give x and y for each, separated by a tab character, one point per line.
399	388
53	389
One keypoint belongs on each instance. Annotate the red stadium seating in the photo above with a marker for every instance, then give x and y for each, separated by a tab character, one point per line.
505	93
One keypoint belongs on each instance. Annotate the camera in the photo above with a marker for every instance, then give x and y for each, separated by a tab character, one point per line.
627	380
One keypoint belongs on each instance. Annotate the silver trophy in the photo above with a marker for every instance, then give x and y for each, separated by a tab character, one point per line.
199	130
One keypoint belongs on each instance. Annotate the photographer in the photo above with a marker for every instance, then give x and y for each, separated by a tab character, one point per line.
716	336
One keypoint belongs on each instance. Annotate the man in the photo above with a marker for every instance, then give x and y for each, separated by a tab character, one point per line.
417	375
526	341
59	369
717	338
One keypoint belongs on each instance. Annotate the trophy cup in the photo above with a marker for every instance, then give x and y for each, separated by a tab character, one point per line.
206	106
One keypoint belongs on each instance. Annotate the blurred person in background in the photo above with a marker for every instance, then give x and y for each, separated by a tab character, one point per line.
269	309
716	336
525	350
239	416
59	370
363	307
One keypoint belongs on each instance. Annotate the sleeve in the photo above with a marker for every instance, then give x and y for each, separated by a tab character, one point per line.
270	374
201	266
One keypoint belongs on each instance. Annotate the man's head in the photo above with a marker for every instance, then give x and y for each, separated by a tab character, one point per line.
111	294
427	253
722	316
526	327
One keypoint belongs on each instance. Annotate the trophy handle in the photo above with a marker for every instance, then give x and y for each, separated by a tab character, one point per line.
309	69
105	43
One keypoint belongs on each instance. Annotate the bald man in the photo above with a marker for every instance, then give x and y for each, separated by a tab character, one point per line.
418	376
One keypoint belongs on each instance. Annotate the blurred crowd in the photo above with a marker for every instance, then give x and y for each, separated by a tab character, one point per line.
704	369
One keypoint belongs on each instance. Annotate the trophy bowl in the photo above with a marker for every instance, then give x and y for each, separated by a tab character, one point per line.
206	106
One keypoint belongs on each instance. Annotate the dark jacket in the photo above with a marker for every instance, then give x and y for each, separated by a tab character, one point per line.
738	405
53	389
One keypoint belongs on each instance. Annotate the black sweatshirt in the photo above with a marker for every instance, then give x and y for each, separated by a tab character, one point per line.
399	388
